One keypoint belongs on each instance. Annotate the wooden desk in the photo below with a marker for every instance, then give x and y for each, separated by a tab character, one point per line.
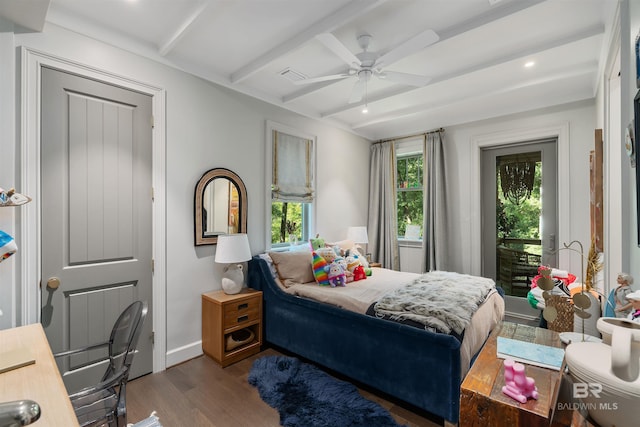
482	402
40	382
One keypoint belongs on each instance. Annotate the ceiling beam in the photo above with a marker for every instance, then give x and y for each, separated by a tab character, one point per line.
351	11
572	73
183	29
471	24
596	30
30	15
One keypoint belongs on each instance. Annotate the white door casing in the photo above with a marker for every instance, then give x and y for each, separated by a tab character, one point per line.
497	139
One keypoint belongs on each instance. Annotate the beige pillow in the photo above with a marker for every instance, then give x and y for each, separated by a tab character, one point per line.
293	267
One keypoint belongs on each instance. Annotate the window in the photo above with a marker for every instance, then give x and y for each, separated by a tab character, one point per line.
290	168
288	223
409	171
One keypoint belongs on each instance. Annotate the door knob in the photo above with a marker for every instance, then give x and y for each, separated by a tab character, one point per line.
53	283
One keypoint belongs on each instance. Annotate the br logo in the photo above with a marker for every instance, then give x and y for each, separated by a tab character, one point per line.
582	390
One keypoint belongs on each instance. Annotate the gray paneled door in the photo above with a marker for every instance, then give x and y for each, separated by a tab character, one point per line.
96	217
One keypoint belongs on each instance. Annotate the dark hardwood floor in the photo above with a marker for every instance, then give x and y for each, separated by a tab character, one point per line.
201	393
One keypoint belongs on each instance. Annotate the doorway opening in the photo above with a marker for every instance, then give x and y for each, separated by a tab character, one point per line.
519	209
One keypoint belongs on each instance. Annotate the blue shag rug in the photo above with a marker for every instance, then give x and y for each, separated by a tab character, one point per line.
305	396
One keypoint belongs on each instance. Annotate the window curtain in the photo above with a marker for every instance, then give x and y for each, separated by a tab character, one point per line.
435	209
292	169
383	220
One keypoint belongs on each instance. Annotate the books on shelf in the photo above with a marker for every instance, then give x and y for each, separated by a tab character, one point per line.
530	353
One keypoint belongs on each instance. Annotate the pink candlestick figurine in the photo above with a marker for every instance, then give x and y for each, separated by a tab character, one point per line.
518	386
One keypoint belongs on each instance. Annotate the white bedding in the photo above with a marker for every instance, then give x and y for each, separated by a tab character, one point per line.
358	296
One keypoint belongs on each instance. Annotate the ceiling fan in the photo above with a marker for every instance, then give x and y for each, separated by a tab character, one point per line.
366	64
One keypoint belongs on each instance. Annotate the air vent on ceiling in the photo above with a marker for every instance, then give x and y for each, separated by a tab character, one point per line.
293	75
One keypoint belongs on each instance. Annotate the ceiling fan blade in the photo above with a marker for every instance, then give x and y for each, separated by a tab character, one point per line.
336	46
407	48
357	92
322	79
404	78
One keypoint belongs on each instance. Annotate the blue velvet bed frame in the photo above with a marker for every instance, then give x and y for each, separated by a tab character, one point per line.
411	364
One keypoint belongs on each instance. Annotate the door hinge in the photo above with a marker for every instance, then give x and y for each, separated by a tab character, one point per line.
153	337
153	194
153	265
153	122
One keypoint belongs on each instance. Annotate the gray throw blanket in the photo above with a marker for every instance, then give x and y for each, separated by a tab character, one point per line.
440	300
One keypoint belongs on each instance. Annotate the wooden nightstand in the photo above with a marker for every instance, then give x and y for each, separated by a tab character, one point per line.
375	264
222	315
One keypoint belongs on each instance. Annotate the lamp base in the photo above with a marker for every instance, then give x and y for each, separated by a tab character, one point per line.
233	279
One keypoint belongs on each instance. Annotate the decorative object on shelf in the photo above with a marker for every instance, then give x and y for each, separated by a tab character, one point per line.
614	366
239	338
584	302
233	249
629	143
358	235
8	246
9	198
517	385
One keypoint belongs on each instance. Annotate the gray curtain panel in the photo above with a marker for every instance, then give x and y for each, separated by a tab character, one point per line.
383	220
435	208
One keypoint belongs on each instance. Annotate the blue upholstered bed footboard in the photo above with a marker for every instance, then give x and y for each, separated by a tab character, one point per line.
419	367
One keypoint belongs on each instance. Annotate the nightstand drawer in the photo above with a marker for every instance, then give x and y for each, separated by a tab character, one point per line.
238	312
237	317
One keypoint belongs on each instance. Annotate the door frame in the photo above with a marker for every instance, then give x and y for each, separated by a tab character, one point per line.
498	139
31	62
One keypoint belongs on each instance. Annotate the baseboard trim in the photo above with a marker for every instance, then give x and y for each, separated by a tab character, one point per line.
184	353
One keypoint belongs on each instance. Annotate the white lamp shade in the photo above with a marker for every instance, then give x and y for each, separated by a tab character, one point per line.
358	234
233	248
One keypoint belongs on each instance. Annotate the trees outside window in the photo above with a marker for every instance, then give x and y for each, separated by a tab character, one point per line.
409	192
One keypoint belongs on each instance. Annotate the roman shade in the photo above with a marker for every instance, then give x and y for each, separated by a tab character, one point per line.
292	178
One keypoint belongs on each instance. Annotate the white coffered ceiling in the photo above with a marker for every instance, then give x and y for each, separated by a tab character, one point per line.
476	67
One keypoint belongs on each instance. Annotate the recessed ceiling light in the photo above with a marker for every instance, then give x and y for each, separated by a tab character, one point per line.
365	110
529	64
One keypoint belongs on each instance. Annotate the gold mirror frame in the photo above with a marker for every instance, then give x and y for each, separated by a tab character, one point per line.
201	237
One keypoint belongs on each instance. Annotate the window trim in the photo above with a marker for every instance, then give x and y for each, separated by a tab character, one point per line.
308	214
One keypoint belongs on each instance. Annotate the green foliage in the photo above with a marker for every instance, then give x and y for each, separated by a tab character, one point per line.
410	210
520	221
410	197
286	220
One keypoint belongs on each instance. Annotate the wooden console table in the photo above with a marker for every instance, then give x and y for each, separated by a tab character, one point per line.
39	381
482	402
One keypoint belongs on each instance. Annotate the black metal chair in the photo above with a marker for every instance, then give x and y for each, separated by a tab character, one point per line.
105	402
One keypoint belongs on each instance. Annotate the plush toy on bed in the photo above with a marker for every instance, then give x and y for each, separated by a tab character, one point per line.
316	243
359	273
336	272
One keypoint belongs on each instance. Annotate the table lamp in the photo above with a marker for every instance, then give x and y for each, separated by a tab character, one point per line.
233	249
359	235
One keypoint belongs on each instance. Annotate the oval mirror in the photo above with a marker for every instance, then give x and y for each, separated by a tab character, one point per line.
220	206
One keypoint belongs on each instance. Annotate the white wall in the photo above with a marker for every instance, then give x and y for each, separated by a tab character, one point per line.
581	120
7	168
210	126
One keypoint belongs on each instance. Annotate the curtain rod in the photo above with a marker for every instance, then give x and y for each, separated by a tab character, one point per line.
410	136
